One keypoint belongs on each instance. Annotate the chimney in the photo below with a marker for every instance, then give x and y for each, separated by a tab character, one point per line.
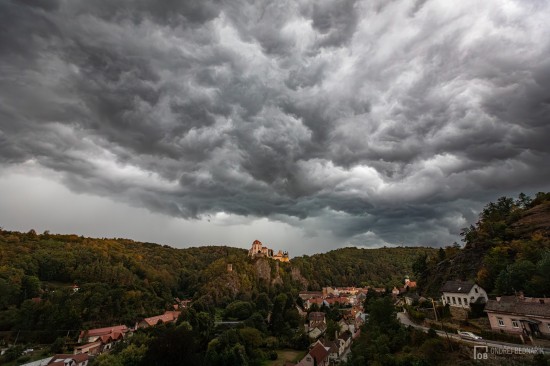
230	267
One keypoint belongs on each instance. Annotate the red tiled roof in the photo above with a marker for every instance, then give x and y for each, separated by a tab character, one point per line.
316	316
341	300
167	317
103	331
316	300
319	353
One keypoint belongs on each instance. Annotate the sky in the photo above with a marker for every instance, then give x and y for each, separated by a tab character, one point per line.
308	124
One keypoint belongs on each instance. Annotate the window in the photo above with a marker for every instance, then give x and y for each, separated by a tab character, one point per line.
448	300
459	301
500	322
475	288
454	300
548	326
515	323
465	301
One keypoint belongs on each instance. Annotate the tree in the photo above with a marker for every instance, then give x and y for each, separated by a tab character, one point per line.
420	265
257	321
251	337
503	283
30	287
174	346
333	329
521	273
263	304
57	346
239	309
441	254
523	200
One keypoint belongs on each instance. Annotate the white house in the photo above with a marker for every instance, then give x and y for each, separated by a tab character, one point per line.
462	293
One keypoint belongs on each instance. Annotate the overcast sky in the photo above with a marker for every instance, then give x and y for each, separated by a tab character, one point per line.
309	124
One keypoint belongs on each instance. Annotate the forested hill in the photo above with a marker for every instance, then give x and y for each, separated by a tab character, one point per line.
382	267
121	280
506	251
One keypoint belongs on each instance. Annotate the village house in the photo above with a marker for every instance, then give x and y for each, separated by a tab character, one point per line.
460	294
306	295
519	315
395	291
317	356
315	300
341	300
345	337
335	348
69	360
333	351
96	341
92	335
409	284
92	349
167	317
301	311
316	325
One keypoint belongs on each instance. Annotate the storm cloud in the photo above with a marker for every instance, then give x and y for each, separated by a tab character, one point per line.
381	122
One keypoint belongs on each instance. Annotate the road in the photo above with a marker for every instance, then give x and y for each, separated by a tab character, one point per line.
404	319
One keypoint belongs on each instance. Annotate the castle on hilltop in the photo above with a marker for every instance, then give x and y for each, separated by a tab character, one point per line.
258	250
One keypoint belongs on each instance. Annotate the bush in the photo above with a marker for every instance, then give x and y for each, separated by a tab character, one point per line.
240	310
273	355
433	351
415	315
503	337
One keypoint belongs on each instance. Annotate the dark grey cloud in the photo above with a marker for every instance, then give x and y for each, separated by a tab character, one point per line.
381	122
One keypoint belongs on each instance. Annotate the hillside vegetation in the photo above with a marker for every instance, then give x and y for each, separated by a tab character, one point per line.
506	251
122	280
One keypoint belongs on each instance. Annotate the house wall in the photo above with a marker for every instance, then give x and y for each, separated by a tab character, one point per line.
462	300
508	327
91	349
456	300
142	324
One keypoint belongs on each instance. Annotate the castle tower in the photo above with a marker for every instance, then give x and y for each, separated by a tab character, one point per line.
256	248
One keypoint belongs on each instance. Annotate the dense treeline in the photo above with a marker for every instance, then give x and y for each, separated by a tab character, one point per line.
506	251
383	267
122	280
119	280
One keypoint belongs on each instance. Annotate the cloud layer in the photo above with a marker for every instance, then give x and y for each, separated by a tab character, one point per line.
386	122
